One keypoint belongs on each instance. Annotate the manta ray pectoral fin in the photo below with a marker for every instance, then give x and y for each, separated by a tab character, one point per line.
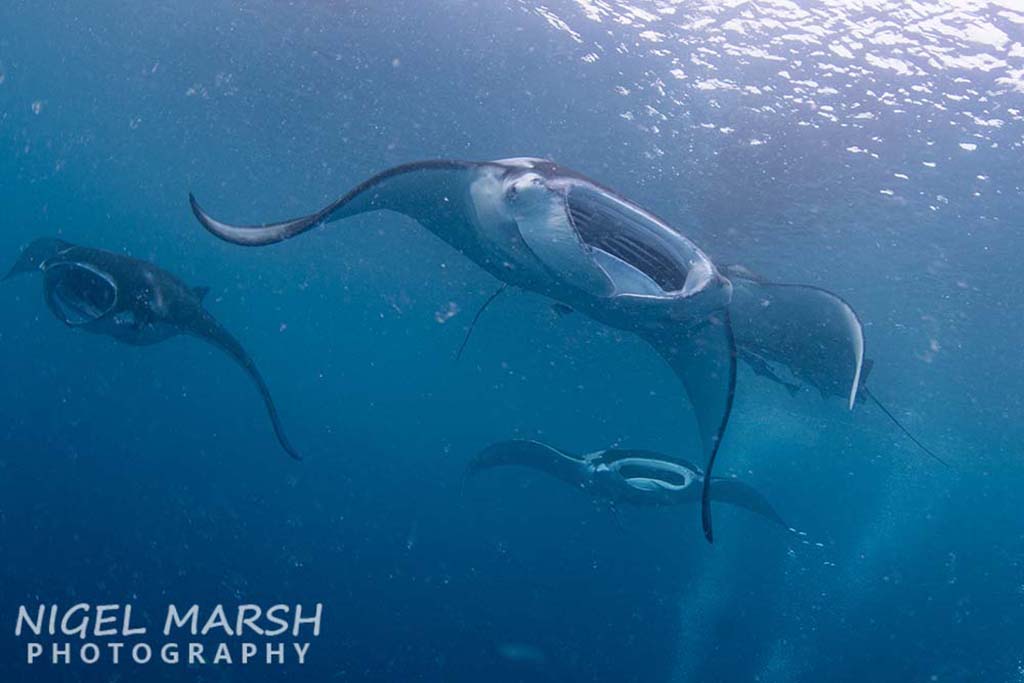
813	332
735	492
206	327
254	235
704	359
431	192
531	454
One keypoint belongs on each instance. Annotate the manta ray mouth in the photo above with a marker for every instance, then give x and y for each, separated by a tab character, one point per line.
628	248
664	474
78	293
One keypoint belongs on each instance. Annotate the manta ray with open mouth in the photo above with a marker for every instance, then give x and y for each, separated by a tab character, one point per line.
539	226
616	475
133	301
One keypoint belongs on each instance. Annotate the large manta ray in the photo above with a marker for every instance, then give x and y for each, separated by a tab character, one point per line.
541	227
132	301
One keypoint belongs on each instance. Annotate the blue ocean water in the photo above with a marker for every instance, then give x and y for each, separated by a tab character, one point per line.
873	148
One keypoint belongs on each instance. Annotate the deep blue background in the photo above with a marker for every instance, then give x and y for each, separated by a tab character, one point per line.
812	142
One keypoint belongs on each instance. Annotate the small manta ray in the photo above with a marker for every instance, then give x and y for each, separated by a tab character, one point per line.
132	301
541	227
613	476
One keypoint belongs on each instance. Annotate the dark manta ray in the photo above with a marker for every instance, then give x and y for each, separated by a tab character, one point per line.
132	301
539	226
614	475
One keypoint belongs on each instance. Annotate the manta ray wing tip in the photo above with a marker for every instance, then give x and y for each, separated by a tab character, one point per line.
290	450
204	218
196	209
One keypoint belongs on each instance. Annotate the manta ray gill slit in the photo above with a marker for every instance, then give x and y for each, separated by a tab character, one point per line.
604	225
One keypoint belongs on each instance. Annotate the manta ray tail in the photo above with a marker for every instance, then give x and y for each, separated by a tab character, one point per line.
735	492
476	318
212	331
899	425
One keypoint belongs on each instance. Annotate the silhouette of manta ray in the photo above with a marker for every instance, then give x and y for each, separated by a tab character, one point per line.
133	301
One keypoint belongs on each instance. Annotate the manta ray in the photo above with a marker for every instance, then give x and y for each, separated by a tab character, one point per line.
636	477
133	301
541	227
